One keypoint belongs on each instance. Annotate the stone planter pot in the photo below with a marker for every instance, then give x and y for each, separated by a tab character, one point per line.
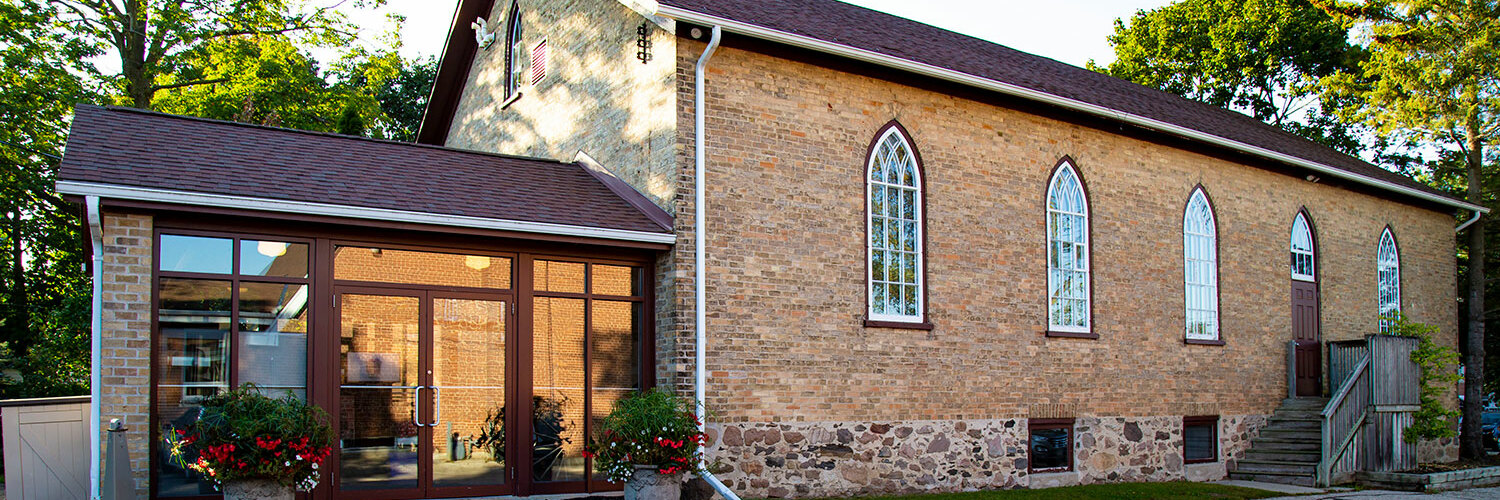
257	489
648	484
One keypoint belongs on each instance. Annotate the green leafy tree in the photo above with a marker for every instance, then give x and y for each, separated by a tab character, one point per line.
156	40
1433	78
42	77
1260	57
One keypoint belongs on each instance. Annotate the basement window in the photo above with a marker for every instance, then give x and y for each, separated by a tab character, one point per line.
1051	444
1200	439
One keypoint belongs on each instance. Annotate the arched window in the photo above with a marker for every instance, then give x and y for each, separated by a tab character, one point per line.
1068	308
514	52
1302	250
1200	268
1388	272
893	191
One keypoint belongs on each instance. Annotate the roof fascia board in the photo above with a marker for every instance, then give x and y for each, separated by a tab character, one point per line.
872	57
351	212
647	9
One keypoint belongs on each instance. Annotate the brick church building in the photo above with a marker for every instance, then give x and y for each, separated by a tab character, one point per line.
916	261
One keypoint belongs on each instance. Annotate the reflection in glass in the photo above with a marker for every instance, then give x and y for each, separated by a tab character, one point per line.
468	356
191	364
420	268
196	254
273	258
272	341
549	276
1199	442
615	280
615	354
378	345
1049	448
558	378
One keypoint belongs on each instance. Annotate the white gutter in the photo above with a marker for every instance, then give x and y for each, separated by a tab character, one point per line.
331	210
1465	225
858	54
700	264
96	341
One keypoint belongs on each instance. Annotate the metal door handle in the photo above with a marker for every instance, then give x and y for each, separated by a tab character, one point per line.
416	407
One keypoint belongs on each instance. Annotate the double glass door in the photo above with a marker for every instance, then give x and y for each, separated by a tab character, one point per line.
423	393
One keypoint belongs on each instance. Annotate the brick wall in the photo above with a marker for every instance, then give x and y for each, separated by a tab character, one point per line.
126	334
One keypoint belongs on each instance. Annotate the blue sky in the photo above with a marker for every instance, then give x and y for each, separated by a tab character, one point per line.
1071	31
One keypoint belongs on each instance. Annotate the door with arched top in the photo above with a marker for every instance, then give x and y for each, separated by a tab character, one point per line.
1304	274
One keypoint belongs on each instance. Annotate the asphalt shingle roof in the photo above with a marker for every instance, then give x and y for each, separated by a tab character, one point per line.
129	147
862	28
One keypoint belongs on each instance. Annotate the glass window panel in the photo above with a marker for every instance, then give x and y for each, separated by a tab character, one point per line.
1199	442
1049	448
893	234
877	264
877	200
468	359
272	341
558	390
197	254
616	280
420	268
893	209
911	300
273	258
892	267
908	204
552	276
909	236
893	299
877	301
192	362
909	268
614	359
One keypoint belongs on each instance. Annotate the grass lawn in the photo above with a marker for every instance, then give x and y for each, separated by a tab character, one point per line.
1126	491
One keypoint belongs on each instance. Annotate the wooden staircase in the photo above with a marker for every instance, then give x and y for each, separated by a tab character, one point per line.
1288	447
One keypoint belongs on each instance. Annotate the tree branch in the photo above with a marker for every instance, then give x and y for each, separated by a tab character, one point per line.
188	84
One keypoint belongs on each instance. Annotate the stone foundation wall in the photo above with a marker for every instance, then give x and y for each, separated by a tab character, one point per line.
817	459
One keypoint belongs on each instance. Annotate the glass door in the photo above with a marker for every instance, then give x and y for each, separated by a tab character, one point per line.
423	394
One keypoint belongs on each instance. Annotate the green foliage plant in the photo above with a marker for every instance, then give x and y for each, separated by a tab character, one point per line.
654	428
245	435
1439	366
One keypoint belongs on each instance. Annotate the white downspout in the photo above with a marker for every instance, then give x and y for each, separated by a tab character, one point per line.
700	263
96	355
1465	225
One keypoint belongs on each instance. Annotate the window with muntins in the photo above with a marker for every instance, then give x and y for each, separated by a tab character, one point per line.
1068	291
1200	268
515	53
1388	270
1302	250
894	194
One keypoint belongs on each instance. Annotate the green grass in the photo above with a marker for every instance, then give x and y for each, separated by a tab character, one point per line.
1124	491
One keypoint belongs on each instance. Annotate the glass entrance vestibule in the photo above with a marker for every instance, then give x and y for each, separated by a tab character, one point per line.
434	363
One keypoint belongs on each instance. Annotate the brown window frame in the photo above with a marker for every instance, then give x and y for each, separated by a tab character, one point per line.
1036	424
1212	421
916	154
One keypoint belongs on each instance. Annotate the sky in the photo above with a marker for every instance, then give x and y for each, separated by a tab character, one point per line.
1071	31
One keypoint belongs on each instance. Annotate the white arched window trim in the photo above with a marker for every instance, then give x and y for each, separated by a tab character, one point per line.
1200	269
514	52
894	231
1304	253
1069	292
1388	275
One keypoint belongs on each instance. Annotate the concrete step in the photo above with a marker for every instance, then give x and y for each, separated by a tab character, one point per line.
1300	456
1272	477
1314	435
1299	414
1278	444
1283	466
1304	403
1280	422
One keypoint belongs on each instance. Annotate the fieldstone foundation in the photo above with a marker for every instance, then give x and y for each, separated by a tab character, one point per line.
817	459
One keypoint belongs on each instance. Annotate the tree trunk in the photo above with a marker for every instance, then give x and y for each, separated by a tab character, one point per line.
18	319
139	83
1471	440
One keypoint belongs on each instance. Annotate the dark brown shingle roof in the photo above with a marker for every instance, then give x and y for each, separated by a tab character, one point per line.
861	28
133	148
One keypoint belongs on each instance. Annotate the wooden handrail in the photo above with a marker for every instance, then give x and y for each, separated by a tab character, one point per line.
1331	452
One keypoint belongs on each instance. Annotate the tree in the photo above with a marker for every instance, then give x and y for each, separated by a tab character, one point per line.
1434	77
155	39
1260	57
41	79
403	98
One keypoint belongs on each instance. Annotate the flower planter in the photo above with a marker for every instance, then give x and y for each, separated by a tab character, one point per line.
649	484
251	489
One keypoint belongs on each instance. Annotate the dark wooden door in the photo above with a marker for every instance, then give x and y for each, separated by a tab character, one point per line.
1309	362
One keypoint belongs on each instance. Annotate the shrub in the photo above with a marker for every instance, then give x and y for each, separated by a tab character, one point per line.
1439	367
244	435
653	428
